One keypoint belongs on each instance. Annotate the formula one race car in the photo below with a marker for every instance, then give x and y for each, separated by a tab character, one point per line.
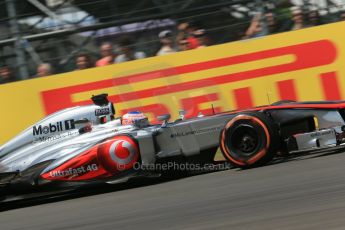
87	143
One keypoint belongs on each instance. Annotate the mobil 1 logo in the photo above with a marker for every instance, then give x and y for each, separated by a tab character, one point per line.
52	128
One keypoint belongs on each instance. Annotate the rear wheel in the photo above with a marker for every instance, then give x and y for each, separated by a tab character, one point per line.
249	140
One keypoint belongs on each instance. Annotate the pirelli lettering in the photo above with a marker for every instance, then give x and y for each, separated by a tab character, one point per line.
282	60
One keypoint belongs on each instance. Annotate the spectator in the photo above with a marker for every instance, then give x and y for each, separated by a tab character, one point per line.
6	74
342	16
83	61
200	35
298	21
256	28
186	31
182	31
183	45
128	54
107	53
314	18
167	43
273	24
44	70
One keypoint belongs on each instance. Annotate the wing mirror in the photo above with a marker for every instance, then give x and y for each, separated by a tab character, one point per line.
200	114
182	114
343	128
165	118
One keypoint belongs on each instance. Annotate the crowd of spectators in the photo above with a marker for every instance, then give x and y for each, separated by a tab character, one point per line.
298	20
187	36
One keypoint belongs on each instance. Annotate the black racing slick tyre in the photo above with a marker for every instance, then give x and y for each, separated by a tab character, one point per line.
249	140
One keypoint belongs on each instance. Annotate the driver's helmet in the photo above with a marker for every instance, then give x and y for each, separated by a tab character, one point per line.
130	117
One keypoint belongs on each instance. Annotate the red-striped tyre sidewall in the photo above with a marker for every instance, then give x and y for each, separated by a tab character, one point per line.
262	155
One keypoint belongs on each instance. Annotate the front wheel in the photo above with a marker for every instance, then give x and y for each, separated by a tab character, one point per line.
249	140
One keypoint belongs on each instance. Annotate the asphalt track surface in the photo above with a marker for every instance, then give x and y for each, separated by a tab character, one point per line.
303	193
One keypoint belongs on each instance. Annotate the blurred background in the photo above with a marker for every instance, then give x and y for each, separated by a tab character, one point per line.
39	38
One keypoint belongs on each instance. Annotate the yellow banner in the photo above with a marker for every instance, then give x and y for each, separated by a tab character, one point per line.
301	65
